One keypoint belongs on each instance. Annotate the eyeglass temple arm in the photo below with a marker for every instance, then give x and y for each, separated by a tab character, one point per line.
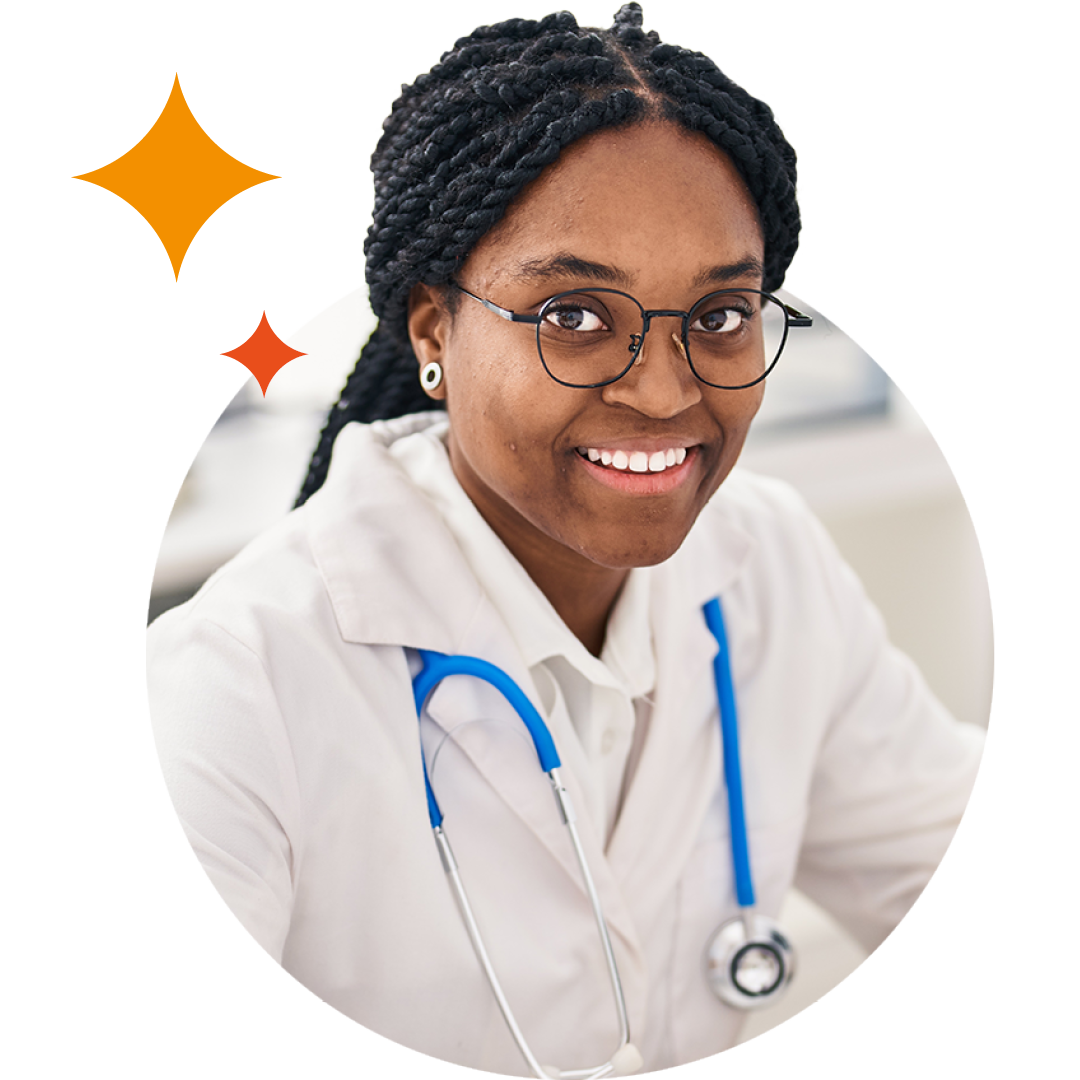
503	313
796	317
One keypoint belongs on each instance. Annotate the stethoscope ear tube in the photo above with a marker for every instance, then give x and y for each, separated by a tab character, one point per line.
438	666
454	877
729	734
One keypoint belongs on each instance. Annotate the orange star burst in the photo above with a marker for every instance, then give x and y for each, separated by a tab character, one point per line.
265	353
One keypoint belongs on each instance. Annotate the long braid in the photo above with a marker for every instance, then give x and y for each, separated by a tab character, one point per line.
464	139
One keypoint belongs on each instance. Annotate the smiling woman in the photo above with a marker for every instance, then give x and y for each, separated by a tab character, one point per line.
652	208
524	515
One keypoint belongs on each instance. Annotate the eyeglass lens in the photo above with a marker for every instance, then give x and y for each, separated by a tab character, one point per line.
732	338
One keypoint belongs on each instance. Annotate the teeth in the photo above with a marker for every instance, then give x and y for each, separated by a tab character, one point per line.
637	460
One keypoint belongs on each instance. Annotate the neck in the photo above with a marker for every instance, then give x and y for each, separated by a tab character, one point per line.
581	592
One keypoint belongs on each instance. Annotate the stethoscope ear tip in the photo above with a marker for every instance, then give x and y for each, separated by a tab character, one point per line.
626	1060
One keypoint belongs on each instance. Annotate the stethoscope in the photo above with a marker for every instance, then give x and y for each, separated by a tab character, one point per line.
748	961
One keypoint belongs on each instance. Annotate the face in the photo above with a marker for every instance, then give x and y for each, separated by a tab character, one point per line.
656	212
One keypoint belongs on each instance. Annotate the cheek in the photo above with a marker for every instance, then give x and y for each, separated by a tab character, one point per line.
483	383
736	409
502	406
733	412
745	404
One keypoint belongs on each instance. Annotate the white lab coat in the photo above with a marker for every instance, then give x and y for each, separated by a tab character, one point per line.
282	706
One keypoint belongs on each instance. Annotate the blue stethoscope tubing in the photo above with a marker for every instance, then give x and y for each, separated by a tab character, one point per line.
436	667
748	934
729	737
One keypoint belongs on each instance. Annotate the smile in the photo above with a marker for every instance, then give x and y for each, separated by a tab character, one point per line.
640	472
637	461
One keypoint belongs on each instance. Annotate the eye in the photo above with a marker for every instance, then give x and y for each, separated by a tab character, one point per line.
721	320
574	316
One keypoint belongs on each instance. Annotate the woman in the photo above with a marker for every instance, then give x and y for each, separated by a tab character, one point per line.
575	241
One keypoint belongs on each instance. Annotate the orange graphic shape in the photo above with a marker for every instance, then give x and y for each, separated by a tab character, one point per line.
205	186
264	354
239	187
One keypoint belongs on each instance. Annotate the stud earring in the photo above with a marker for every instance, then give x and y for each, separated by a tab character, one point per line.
431	375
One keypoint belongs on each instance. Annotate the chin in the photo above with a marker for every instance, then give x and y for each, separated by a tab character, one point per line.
649	553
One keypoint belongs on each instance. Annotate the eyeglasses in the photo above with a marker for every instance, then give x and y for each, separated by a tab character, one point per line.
592	337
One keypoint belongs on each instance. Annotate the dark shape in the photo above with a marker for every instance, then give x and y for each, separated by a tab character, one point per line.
76	998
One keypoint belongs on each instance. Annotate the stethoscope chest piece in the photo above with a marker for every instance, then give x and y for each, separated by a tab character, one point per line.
748	961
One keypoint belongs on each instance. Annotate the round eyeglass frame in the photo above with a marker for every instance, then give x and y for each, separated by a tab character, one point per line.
793	318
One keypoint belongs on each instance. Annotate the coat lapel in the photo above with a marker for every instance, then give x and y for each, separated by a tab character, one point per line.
392	570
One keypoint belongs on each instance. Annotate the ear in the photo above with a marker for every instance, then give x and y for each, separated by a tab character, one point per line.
429	328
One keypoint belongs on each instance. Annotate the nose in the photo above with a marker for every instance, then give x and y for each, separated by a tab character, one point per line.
660	383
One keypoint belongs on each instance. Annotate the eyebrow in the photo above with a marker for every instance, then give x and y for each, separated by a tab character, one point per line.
565	264
723	274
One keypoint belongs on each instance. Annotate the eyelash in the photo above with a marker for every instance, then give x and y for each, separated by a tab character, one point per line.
568	306
744	309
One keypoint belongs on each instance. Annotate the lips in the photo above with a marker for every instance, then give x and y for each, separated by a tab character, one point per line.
635	461
630	470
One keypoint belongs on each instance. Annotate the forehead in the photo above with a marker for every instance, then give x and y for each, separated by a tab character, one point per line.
659	203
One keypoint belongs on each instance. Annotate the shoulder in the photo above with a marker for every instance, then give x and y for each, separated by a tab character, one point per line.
274	578
263	648
366	560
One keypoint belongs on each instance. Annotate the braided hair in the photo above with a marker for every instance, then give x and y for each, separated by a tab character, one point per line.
463	140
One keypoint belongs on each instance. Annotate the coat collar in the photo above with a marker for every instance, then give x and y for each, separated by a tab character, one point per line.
392	571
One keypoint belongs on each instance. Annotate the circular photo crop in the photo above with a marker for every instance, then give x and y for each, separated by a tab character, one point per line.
576	659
